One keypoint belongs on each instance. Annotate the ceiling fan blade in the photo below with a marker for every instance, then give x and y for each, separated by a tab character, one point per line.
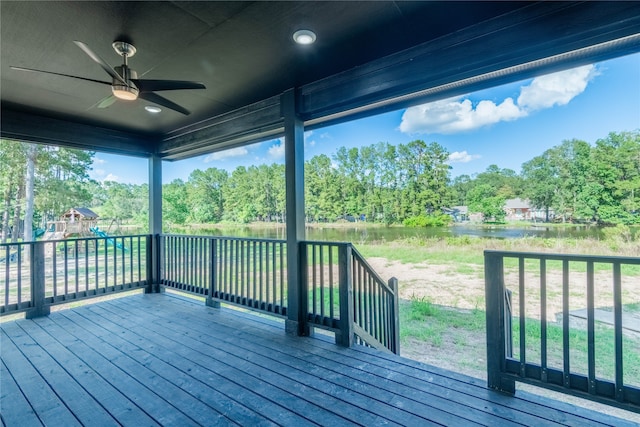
31	70
100	62
157	99
155	85
107	102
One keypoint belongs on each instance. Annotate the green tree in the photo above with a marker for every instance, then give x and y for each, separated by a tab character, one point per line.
62	172
459	188
616	173
13	161
175	208
206	196
505	182
485	199
542	182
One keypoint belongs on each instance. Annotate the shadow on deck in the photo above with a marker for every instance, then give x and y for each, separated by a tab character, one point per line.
166	360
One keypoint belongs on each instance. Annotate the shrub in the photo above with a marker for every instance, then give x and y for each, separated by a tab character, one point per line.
438	220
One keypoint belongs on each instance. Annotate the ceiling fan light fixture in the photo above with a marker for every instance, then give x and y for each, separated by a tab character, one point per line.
126	93
304	37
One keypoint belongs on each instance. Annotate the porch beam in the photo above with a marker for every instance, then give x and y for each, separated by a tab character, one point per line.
33	128
541	38
253	123
297	294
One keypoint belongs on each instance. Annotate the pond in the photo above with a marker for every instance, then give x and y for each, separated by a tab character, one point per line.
362	234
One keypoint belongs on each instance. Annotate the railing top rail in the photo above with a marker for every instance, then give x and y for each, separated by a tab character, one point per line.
245	239
562	257
75	239
327	243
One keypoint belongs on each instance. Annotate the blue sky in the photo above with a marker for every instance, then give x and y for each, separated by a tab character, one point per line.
506	125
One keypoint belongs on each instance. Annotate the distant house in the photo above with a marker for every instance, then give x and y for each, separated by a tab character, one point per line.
517	209
521	210
458	213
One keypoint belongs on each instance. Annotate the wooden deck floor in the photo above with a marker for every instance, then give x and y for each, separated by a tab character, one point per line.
149	360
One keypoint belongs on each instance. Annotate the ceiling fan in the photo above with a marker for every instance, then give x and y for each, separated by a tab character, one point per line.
125	84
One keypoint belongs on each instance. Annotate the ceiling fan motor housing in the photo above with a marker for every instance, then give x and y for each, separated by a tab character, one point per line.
127	92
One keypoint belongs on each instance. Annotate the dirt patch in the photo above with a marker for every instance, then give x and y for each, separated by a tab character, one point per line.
441	284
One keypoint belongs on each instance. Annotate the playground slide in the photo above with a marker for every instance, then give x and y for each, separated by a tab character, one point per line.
100	233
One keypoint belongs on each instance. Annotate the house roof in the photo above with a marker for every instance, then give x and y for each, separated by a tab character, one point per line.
369	57
84	212
517	203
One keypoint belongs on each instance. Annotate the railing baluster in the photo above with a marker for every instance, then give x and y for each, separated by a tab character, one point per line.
271	296
543	319
331	302
123	260
115	264
105	262
96	246
19	268
75	255
255	298
362	312
281	274
86	266
131	259
617	326
7	269
591	349
566	374
322	283
263	296
314	281
140	264
66	268
54	250
225	266
523	358
236	268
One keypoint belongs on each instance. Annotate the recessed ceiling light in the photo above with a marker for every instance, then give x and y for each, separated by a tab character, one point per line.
304	37
152	109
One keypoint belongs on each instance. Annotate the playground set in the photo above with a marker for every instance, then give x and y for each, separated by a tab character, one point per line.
77	223
74	223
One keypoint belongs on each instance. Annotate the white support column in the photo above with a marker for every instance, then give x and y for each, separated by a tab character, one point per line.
297	292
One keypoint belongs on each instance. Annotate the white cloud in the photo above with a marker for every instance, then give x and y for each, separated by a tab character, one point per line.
277	150
462	157
99	161
220	155
556	89
453	115
111	177
459	115
99	172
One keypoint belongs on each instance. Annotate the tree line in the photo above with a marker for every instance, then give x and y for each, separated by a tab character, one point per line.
573	181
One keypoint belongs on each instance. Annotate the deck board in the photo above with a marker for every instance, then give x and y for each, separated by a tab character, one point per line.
166	360
364	388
